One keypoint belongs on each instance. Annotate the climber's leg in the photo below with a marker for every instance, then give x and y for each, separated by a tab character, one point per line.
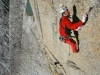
72	43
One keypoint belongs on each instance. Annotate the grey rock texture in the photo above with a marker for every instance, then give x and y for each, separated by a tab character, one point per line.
26	54
4	38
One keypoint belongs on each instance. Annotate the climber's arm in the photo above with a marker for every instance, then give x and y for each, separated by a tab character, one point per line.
71	25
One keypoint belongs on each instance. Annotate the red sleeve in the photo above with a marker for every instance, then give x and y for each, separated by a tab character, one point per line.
71	25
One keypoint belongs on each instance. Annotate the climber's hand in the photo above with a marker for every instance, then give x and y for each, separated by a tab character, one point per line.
79	28
84	18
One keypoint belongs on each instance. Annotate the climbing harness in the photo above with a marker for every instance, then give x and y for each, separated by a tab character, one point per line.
63	38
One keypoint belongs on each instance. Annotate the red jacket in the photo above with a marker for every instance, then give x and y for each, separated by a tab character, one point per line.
66	22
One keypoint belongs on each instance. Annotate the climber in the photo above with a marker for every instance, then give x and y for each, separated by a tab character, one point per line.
65	27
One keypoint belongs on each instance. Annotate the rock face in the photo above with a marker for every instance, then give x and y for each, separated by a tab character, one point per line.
26	54
30	45
86	62
4	38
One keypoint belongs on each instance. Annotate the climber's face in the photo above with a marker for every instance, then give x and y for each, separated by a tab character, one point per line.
67	13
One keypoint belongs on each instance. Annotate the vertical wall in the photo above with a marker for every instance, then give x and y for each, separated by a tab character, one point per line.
15	33
26	54
4	38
